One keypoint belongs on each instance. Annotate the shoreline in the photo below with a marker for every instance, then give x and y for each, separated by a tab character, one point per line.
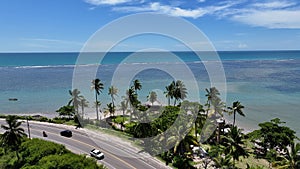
246	128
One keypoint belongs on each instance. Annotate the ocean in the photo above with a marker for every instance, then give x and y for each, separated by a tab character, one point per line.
267	83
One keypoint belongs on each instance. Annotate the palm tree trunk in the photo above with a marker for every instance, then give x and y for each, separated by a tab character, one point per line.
17	153
97	107
82	112
132	112
181	148
196	128
233	119
208	108
233	162
123	120
77	110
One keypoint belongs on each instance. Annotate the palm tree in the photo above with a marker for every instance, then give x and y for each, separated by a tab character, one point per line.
234	144
212	96
13	134
112	91
220	159
123	108
75	99
223	161
291	160
126	98
83	103
110	109
152	97
181	136
98	87
219	106
200	120
97	104
132	97
236	108
182	145
180	92
66	111
170	91
195	108
137	85
134	102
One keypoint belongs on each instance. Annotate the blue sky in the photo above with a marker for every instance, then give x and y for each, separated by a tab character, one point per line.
65	25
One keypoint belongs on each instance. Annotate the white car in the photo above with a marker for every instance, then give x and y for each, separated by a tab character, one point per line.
97	154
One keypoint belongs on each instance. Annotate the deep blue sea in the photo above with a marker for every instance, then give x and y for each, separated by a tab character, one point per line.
267	83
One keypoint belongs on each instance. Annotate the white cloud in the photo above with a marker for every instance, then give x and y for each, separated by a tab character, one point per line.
164	9
34	45
230	45
240	34
51	41
274	4
242	46
40	44
270	18
106	2
267	13
175	11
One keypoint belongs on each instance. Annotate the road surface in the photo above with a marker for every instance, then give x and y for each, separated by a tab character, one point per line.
118	153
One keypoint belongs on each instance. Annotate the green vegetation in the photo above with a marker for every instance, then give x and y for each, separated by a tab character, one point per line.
152	97
97	85
12	137
180	126
36	153
232	149
276	143
236	108
121	119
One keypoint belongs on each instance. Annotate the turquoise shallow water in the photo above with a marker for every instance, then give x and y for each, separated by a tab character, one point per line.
267	83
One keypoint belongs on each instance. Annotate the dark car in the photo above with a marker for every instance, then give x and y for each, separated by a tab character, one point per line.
97	154
44	134
66	133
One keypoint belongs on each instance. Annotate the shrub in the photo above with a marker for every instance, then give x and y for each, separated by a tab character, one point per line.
36	153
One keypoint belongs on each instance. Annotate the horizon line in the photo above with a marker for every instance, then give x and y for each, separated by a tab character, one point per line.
258	50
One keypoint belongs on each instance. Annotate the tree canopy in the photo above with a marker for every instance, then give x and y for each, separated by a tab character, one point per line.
272	135
36	153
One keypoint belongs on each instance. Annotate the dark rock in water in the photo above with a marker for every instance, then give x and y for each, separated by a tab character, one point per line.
13	99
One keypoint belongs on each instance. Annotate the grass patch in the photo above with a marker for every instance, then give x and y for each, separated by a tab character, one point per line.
122	135
71	122
120	119
109	131
252	161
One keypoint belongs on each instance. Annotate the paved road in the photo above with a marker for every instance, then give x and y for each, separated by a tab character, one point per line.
118	153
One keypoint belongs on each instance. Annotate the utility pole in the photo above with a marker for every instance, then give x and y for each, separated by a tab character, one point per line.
28	127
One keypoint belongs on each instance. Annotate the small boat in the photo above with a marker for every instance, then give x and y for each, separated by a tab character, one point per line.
13	99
